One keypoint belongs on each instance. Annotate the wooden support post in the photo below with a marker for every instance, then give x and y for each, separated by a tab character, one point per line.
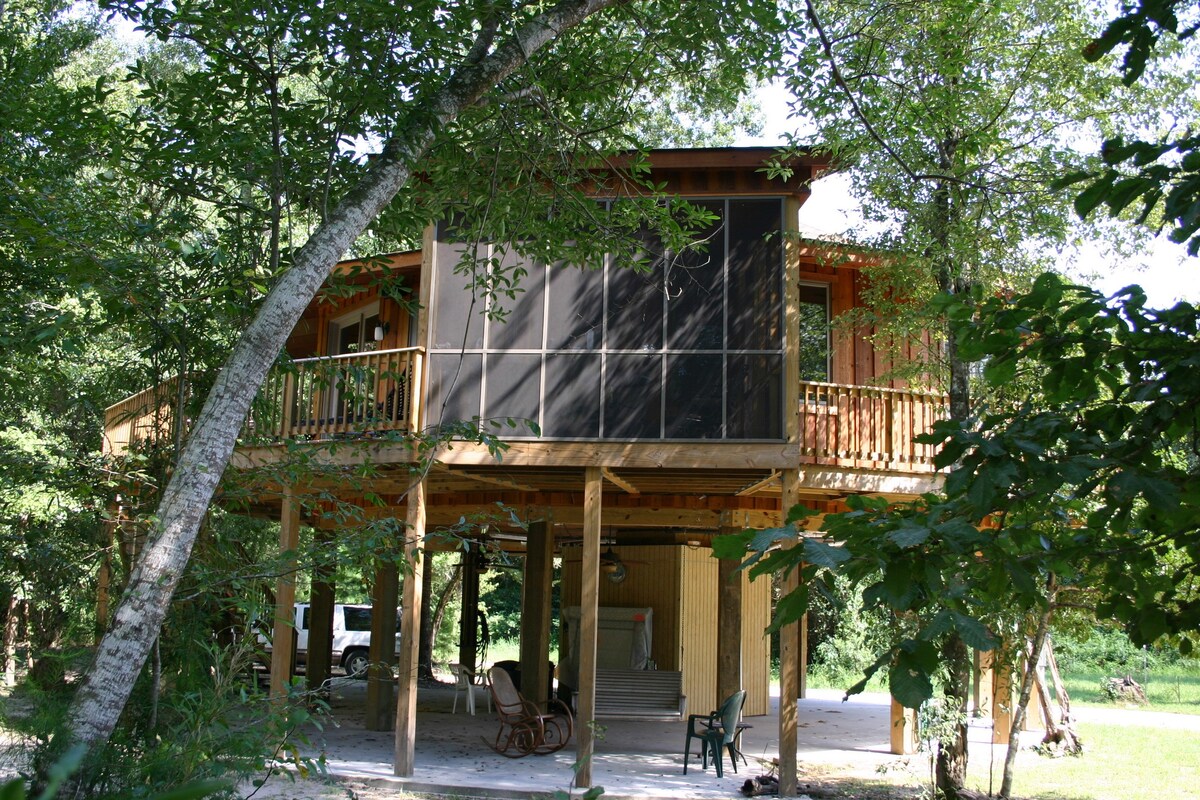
1037	711
410	635
1004	703
984	682
535	612
104	576
729	622
284	635
789	666
319	665
903	729
802	691
380	682
585	715
468	625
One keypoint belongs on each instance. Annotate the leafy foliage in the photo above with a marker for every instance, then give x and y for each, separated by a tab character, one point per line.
1157	177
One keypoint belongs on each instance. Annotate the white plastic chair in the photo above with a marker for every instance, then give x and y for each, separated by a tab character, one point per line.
465	682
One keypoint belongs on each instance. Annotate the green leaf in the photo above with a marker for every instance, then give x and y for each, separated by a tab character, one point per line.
823	554
1087	200
908	683
973	632
909	534
733	545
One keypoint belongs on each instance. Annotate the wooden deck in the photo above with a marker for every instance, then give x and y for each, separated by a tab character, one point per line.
851	439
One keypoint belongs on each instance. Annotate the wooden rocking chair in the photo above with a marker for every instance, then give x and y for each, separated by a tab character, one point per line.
523	728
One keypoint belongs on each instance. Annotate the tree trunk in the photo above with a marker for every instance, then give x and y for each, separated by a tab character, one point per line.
10	641
1027	680
439	610
122	652
428	632
952	755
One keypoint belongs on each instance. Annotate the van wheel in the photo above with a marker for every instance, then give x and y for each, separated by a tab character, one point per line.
356	663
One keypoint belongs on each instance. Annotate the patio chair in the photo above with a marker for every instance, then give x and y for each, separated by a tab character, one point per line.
523	728
464	681
715	731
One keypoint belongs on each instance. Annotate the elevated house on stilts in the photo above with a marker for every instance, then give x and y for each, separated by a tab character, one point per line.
708	394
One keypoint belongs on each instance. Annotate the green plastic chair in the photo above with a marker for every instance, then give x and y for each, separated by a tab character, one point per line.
715	731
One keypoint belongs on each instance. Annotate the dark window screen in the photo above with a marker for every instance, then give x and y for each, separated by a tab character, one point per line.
633	397
691	349
635	300
513	388
693	397
454	384
459	318
755	275
695	291
576	309
755	397
572	395
521	328
304	618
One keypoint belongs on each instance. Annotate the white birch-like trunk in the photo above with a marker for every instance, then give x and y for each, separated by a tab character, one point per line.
122	652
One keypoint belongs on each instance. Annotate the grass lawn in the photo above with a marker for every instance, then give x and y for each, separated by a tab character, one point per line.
1174	688
1120	762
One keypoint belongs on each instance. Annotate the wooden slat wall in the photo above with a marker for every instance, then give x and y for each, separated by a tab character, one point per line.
756	646
698	601
652	584
698	607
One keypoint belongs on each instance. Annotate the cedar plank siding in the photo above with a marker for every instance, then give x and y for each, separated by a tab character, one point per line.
680	584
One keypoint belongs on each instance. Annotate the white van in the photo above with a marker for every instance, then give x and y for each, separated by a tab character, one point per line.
351	636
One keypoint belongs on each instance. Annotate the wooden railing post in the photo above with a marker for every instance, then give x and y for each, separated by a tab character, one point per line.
289	398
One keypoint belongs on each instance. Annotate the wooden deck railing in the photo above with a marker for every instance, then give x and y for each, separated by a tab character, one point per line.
315	398
307	399
873	428
145	417
339	395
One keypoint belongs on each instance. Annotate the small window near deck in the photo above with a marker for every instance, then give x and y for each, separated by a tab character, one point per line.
814	333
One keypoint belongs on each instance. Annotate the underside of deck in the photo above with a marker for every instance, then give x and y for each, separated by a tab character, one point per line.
650	485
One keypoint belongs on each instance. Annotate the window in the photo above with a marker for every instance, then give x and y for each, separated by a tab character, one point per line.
691	349
814	333
354	332
357	619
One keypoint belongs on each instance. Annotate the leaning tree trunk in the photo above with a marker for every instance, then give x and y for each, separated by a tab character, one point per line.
1028	678
122	652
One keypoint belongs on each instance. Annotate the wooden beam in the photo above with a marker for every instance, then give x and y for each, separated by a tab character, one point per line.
789	668
468	619
319	664
729	624
508	483
535	612
588	626
410	634
380	697
284	636
1004	701
618	481
760	485
984	682
449	515
903	736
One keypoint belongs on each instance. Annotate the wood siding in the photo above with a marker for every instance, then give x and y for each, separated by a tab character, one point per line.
698	604
756	645
652	581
